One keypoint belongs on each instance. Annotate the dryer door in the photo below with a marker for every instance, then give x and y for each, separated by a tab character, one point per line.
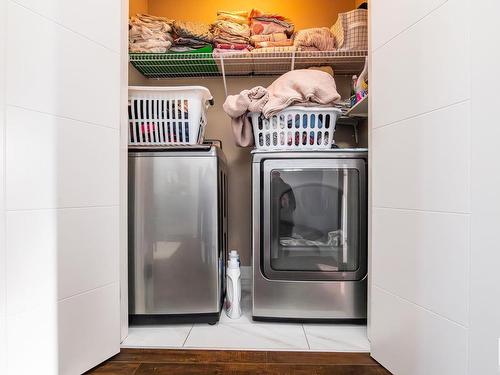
314	219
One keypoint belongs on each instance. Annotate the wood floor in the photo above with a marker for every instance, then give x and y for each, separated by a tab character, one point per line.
178	362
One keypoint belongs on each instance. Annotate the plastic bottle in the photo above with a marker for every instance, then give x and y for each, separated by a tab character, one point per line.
234	254
233	297
353	90
362	83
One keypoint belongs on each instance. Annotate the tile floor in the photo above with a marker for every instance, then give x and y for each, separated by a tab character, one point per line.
244	333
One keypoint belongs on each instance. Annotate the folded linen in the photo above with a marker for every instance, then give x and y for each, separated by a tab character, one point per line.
268	23
189	42
236	29
265	50
232	46
282	43
254	13
230	52
276	37
152	22
149	34
297	87
150	46
193	30
259	26
238	16
319	38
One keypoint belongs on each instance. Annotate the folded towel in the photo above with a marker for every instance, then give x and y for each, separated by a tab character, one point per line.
282	43
319	38
268	23
266	26
149	34
265	50
276	37
193	30
230	52
238	16
232	46
150	46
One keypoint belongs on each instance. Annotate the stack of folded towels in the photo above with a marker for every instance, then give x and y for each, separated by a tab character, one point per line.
270	31
148	34
231	32
314	39
191	36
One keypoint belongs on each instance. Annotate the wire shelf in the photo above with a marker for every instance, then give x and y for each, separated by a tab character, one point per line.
171	65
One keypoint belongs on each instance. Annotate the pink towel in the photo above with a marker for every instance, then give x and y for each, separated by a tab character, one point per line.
297	87
237	106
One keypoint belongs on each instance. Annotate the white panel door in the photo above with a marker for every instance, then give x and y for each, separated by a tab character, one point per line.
420	186
60	156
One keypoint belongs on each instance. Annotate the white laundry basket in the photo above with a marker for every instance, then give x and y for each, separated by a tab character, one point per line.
295	128
167	115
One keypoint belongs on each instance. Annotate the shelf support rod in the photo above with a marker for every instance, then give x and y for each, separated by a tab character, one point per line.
223	74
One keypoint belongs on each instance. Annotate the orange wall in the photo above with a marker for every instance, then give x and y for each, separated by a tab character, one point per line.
304	13
137	6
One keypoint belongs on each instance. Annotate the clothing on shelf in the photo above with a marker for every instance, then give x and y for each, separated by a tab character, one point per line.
150	46
193	30
149	34
266	23
230	32
283	43
238	16
276	37
318	38
306	87
187	44
265	50
230	52
231	46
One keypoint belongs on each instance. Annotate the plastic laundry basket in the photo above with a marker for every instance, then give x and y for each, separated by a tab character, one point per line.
295	128
167	115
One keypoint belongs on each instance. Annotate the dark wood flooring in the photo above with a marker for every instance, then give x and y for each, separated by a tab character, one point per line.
178	362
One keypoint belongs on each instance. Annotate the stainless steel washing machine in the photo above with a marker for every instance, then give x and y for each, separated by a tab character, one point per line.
177	234
310	235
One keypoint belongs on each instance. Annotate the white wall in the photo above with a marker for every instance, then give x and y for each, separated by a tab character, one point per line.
436	183
62	116
3	330
485	176
421	187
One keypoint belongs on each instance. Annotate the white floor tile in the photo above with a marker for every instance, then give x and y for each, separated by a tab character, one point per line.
156	336
257	336
337	338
